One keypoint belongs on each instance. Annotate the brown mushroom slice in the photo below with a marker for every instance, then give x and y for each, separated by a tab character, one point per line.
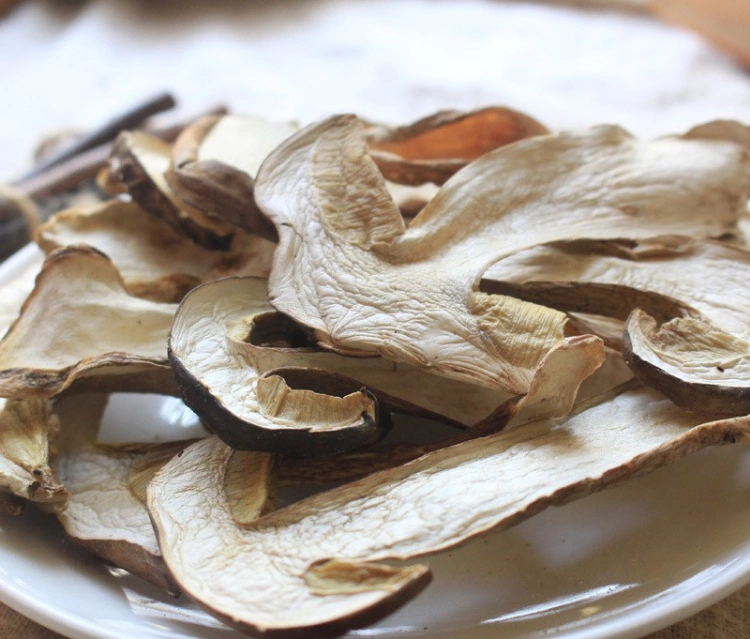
28	428
409	294
613	277
80	325
434	148
214	164
140	161
104	515
154	260
699	366
260	578
238	368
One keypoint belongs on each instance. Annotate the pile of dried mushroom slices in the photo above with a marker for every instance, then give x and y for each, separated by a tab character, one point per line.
574	305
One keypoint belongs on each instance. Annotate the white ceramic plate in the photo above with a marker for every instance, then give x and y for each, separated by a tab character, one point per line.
618	564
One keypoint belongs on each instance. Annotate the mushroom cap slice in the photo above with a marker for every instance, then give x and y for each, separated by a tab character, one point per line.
260	578
409	294
140	161
434	148
214	164
257	382
79	324
155	261
28	429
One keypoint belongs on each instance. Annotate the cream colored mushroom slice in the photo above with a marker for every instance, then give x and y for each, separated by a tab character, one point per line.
256	380
80	325
410	294
434	148
140	161
262	579
28	430
214	164
105	515
16	288
691	335
154	260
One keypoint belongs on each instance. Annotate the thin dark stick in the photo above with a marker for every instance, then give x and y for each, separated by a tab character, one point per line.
106	133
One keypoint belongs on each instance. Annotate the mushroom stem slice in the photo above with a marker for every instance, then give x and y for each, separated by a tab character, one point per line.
697	365
260	578
140	161
80	325
28	429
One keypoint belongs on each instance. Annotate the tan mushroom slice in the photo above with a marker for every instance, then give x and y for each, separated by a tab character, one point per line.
256	381
214	164
18	285
80	325
140	161
259	577
104	515
154	260
28	429
410	294
691	336
434	148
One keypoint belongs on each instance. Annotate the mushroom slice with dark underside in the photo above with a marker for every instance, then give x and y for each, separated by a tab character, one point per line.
434	148
255	379
80	326
411	295
155	261
260	578
214	164
690	336
140	161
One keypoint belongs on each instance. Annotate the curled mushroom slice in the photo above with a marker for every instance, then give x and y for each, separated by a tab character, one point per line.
104	515
259	577
79	324
139	161
214	164
154	260
20	282
434	148
27	430
256	380
410	294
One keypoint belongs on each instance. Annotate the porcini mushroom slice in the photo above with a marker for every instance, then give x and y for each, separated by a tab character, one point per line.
104	515
154	260
140	161
696	364
261	578
409	294
28	429
79	324
19	283
256	382
214	164
434	148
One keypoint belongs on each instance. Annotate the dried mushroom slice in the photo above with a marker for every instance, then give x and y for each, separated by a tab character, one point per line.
28	429
214	164
19	283
260	578
255	379
80	325
434	148
140	161
104	515
154	260
410	294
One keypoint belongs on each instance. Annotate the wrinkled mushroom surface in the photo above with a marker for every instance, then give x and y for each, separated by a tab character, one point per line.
79	324
256	380
259	577
409	294
140	161
154	260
